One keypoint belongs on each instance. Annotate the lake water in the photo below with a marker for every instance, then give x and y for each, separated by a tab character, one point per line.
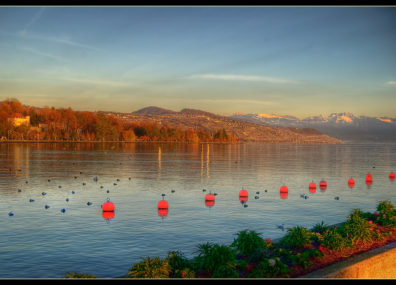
46	243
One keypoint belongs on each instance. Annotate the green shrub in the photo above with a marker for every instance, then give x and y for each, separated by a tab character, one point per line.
185	273
270	268
320	228
215	258
225	271
356	228
179	265
387	213
304	258
74	275
332	239
150	268
297	236
247	242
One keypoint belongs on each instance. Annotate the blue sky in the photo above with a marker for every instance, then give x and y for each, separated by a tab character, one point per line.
299	61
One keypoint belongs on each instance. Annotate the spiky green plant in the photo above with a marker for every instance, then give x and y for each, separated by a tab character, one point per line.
332	239
356	228
75	275
270	268
248	242
180	266
387	213
150	268
216	259
297	236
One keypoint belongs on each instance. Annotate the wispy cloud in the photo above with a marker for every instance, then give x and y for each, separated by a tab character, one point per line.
59	40
391	82
42	53
34	19
238	101
52	39
235	77
96	81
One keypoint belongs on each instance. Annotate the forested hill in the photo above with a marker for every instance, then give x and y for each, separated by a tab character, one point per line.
244	131
21	122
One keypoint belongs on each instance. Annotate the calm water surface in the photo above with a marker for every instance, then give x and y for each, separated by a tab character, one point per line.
46	243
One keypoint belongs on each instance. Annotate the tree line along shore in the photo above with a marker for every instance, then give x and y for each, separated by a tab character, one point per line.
19	123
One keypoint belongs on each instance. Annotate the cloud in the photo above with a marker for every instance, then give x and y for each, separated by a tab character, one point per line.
237	101
41	53
59	40
391	82
96	81
35	18
234	77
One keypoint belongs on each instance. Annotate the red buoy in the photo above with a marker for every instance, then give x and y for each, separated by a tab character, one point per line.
243	193
163	204
391	175
108	206
209	197
209	203
369	177
163	212
108	215
351	182
284	189
323	184
312	187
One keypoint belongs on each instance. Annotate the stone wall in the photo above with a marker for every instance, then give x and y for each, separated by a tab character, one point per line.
377	263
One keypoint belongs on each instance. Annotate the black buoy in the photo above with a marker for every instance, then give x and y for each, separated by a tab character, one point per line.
89	203
63	210
11	214
46	207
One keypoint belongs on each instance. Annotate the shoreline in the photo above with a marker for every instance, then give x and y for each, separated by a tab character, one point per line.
175	142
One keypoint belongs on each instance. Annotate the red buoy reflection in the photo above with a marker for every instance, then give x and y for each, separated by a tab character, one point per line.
283	195
243	199
163	212
108	215
369	178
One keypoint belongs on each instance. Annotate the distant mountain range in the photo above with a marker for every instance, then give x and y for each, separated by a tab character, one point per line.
245	130
344	126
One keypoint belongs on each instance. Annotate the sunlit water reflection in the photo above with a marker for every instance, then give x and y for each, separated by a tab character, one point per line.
45	243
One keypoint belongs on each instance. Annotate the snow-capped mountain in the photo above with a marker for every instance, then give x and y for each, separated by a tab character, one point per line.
345	126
